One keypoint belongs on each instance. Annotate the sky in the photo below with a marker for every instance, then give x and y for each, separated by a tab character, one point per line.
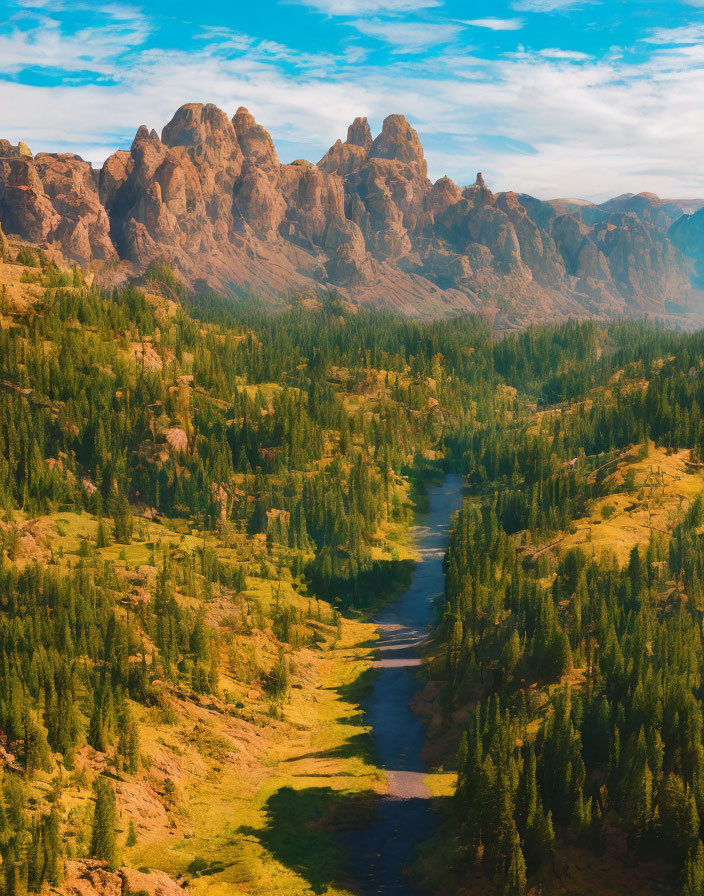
558	98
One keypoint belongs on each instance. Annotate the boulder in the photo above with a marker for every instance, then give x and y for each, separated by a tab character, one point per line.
90	877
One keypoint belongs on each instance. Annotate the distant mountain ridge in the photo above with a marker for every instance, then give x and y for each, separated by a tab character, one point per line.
687	233
211	197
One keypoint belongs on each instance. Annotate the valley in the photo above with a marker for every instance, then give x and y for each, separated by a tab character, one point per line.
248	645
351	448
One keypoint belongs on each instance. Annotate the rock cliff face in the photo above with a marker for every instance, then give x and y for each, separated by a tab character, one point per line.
211	196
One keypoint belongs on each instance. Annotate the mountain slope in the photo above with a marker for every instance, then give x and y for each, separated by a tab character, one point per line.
212	197
687	233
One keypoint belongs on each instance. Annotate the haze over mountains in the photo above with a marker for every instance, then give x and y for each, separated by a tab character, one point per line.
211	197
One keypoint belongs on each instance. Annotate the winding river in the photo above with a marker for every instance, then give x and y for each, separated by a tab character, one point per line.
382	851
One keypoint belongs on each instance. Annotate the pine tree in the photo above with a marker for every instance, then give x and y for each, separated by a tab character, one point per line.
122	518
101	539
131	835
694	873
515	883
103	842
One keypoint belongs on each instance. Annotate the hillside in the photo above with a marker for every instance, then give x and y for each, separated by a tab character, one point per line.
564	683
205	503
192	525
211	197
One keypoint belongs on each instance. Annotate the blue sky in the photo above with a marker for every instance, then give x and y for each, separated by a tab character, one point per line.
552	97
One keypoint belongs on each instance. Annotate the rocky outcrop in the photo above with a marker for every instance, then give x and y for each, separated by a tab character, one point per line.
83	231
53	200
399	142
580	255
348	157
25	209
651	209
212	197
173	197
642	262
255	142
89	877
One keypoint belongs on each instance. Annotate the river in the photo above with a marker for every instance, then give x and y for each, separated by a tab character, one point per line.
404	818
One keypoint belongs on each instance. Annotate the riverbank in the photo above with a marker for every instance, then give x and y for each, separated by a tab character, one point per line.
329	795
404	814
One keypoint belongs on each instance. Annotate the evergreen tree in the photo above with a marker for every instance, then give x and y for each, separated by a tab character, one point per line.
103	843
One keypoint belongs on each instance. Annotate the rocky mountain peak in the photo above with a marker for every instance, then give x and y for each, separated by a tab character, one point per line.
212	197
400	142
254	140
359	133
202	129
143	135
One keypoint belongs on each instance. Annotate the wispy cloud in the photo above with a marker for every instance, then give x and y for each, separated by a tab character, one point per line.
548	5
42	43
364	7
682	36
407	37
567	55
547	121
495	24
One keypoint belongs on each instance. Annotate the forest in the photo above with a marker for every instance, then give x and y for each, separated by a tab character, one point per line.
287	447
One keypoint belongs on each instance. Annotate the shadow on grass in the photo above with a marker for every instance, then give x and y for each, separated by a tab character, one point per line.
201	867
300	831
360	689
380	583
359	746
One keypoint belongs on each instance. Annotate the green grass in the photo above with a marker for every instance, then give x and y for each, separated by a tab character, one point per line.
299	831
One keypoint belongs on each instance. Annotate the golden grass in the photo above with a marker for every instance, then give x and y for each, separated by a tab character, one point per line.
663	486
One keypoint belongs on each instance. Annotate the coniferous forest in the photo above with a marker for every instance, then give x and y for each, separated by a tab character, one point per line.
203	502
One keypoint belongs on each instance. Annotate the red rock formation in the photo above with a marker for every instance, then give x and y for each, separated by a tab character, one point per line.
84	227
4	248
212	197
255	142
89	877
25	209
400	142
347	158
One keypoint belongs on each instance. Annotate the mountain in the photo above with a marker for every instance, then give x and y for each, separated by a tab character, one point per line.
687	233
651	209
211	197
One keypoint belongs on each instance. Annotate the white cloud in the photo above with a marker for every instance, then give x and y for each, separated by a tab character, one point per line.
567	55
548	5
364	7
45	44
494	24
407	37
535	122
682	36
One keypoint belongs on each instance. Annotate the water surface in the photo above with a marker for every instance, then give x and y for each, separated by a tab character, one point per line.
380	853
